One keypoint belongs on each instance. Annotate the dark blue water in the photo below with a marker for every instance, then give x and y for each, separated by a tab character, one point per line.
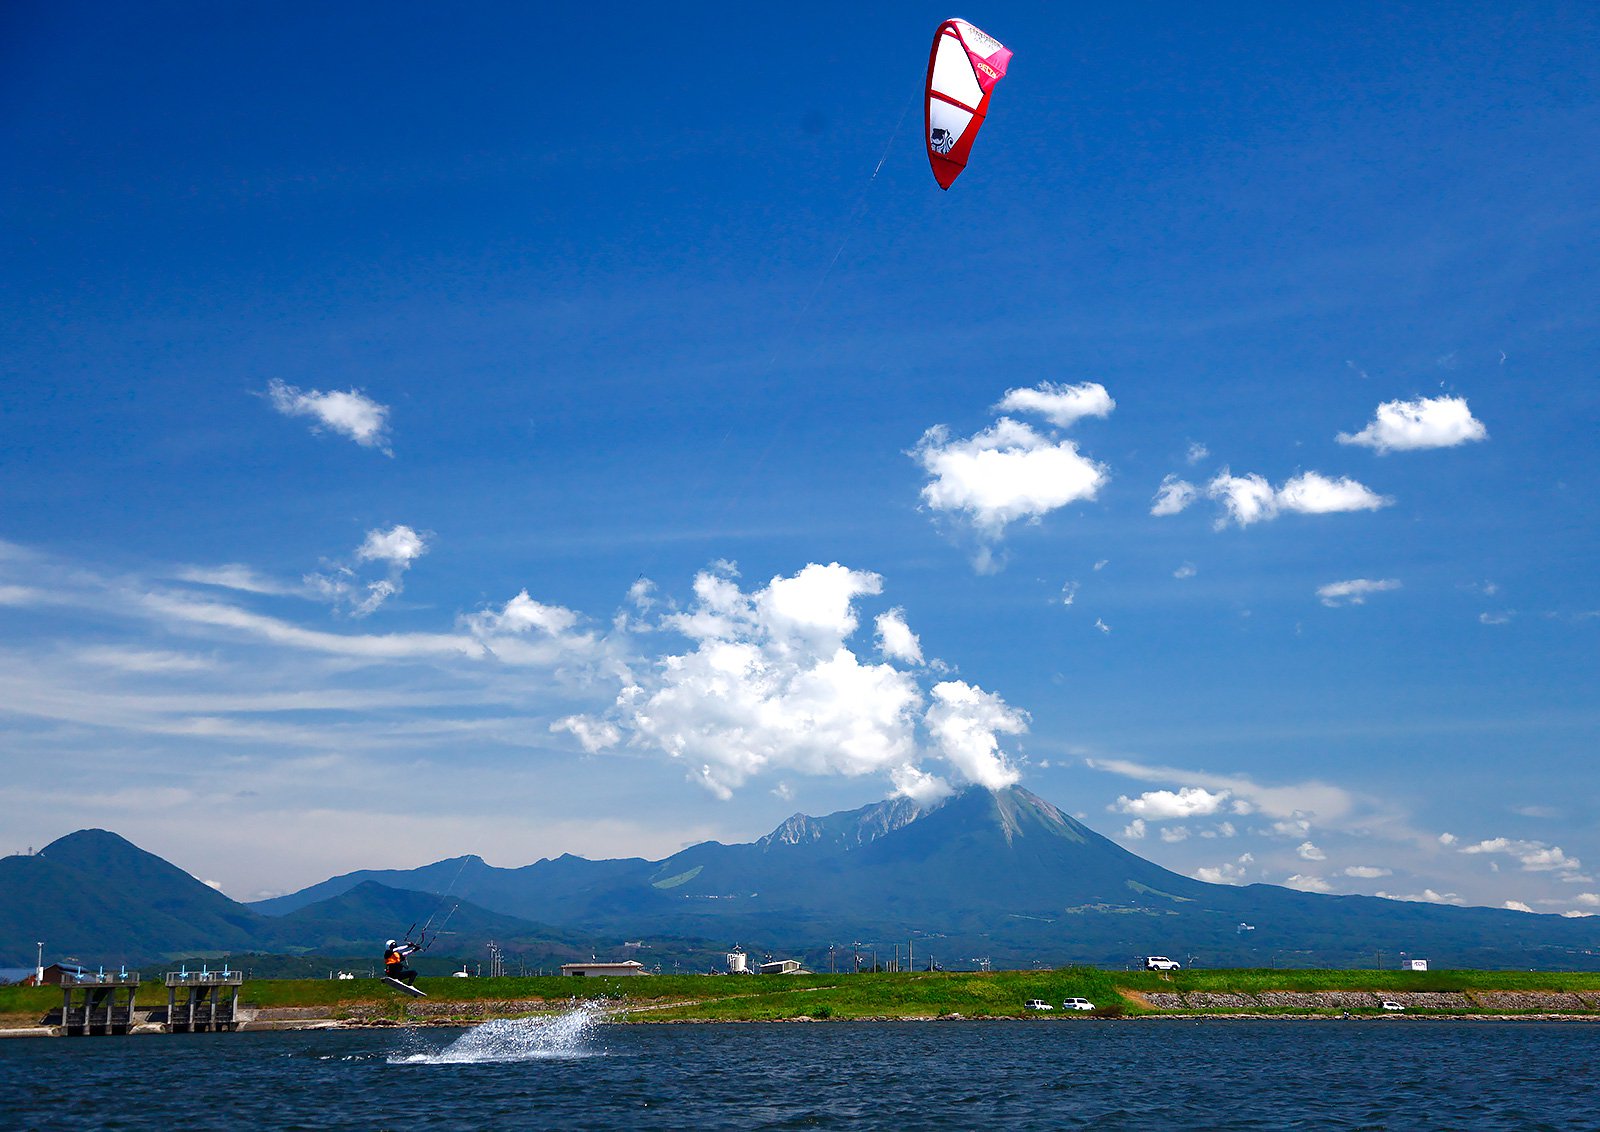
1388	1074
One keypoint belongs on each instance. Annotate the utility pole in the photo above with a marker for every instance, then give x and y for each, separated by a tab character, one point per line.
38	976
911	956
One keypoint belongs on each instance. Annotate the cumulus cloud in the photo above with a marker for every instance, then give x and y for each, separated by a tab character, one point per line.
1354	591
1167	805
1367	872
1517	906
1533	856
1309	852
1196	453
1174	834
966	722
771	683
1308	883
1187	570
1426	896
1294	806
394	550
1251	499
1427	422
1061	405
349	413
895	638
1134	830
1005	473
398	546
1173	496
1229	872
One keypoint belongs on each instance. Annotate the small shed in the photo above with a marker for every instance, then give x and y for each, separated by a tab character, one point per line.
603	970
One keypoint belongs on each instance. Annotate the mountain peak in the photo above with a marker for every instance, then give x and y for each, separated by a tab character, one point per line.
845	829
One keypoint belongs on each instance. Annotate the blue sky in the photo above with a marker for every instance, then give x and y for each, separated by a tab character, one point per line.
515	433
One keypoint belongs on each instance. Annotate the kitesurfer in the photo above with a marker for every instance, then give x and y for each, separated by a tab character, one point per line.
394	962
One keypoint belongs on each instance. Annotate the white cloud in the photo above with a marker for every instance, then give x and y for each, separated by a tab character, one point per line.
1354	591
394	549
234	576
919	785
1069	593
1501	618
1134	830
1516	906
1197	452
771	684
1367	872
1173	496
1576	915
349	413
1061	405
895	638
1533	856
1187	570
1251	499
965	723
1426	896
1309	852
1428	422
1305	883
1165	805
593	735
1590	898
1101	625
1311	493
1229	872
1005	473
1174	834
398	546
1297	803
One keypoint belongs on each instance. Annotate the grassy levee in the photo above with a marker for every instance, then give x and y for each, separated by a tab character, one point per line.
998	994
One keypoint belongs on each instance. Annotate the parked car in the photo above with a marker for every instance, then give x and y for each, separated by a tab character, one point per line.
1387	1005
1039	1004
1161	963
1076	1004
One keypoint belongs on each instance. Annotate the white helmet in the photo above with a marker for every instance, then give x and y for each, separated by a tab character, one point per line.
389	944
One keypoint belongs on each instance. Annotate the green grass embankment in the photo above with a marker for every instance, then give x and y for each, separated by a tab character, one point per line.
999	994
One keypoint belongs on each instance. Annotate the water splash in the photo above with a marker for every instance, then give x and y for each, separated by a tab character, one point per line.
563	1036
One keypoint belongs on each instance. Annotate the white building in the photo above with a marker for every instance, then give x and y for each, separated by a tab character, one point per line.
603	970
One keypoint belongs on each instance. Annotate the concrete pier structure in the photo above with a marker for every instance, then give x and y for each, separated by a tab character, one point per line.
200	1002
97	1004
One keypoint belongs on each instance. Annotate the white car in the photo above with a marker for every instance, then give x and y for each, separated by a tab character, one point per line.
1387	1005
1161	963
1076	1004
1038	1004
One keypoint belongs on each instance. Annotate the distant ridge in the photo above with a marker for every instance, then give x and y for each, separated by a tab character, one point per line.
999	873
1002	875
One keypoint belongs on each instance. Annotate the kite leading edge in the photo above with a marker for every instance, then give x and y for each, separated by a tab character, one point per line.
963	68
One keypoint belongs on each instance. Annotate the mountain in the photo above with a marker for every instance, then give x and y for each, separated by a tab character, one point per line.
97	897
998	874
1002	875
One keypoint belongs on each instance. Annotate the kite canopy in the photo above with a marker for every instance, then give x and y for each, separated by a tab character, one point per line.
963	68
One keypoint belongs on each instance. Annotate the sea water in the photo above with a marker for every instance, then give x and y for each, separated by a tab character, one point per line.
573	1072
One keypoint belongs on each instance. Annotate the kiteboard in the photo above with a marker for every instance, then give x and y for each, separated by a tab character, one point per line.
405	988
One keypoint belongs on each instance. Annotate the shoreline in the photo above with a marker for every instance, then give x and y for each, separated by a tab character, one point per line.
281	1025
